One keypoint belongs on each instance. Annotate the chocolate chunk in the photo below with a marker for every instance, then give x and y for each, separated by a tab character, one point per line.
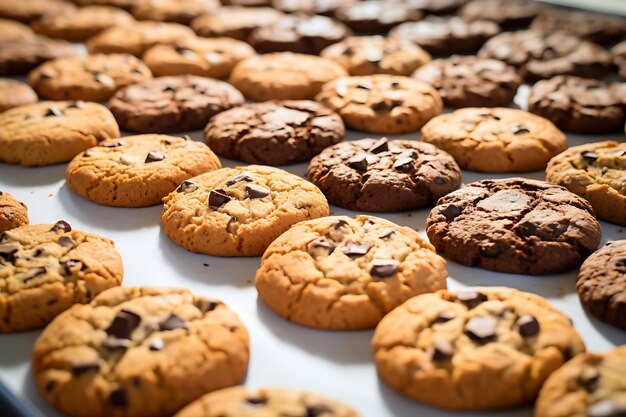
61	225
386	234
123	324
409	153
44	75
53	111
471	298
50	385
490	250
37	253
403	164
187	186
358	162
168	88
205	305
242	176
319	410
71	264
85	367
381	145
118	397
114	343
104	79
157	344
79	104
527	228
340	224
606	408
320	247
451	212
589	379
384	268
8	252
527	325
442	351
589	157
356	250
364	86
218	198
173	322
482	329
114	144
444	317
256	401
182	50
65	241
519	129
382	106
256	191
154	156
137	70
35	273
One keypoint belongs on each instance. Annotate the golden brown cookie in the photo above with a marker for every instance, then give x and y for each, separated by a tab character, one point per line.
14	93
178	11
13	213
30	10
11	30
235	21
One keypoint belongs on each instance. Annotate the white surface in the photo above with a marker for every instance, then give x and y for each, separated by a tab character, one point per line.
338	364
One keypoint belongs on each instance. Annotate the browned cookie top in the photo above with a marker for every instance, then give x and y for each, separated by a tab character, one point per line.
12	30
27	11
594	27
13	213
506	13
323	7
514	225
376	16
179	11
235	22
18	58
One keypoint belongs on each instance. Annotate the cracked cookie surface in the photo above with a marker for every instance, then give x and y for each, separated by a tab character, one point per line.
137	171
18	58
496	139
514	225
476	349
342	273
239	211
45	269
139	352
13	213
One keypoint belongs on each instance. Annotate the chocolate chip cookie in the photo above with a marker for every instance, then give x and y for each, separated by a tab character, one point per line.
338	273
384	175
594	27
15	93
239	211
137	171
496	139
284	76
367	55
122	4
274	133
311	7
52	132
172	104
31	10
46	268
538	56
19	57
91	78
139	352
506	13
440	7
376	16
469	81
235	21
178	11
594	171
476	349
10	30
515	225
619	58
13	213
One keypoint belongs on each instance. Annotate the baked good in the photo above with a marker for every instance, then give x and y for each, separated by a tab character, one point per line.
247	3
284	76
311	7
479	348
376	16
619	58
506	13
274	132
594	171
594	27
440	7
339	273
137	171
13	213
28	11
382	103
91	78
50	132
469	81
384	175
514	225
139	351
172	104
496	139
235	21
212	57
19	57
239	211
366	55
178	11
46	268
122	4
11	30
14	93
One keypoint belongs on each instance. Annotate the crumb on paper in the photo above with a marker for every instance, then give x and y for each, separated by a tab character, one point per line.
205	264
248	282
620	230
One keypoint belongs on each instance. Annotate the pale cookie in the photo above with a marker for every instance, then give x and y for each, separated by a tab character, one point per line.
476	349
235	21
15	93
10	30
19	57
139	352
239	211
45	269
13	213
179	11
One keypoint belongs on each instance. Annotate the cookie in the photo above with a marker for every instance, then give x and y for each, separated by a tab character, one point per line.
172	104
45	269
382	103
138	38
247	3
580	105
496	139
538	56
84	23
15	93
10	30
619	58
91	78
178	11
19	57
284	76
139	351
506	13
367	55
385	176
50	132
298	33
213	57
13	213
122	4
441	7
468	81
239	211
235	22
594	171
483	348
590	385
28	11
446	35
338	273
514	225
275	132
594	27
137	171
311	7
376	16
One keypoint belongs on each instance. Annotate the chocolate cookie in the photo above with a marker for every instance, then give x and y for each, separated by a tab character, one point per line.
496	139
45	269
538	56
15	93
13	213
139	352
172	104
235	22
274	133
382	103
90	78
447	35
28	11
312	7
367	55
376	16
484	348
506	13
385	176
10	30
178	11
580	105
594	27
213	57
339	273
515	225
596	172
469	81
619	58
19	57
298	33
